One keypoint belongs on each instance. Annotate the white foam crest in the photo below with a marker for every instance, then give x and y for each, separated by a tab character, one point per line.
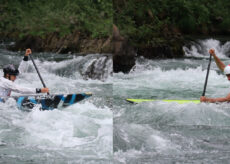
192	78
193	51
203	114
55	83
31	79
72	68
145	137
201	48
160	143
49	67
159	146
186	114
123	157
53	65
2	143
9	111
78	125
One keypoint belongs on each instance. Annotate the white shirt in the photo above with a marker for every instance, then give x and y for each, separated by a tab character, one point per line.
6	86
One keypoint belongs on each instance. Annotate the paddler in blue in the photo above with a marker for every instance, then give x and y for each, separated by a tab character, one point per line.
10	74
226	70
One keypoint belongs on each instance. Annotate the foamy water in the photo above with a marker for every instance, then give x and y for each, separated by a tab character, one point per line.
81	133
161	132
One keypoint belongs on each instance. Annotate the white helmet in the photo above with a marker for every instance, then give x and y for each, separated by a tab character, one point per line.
227	70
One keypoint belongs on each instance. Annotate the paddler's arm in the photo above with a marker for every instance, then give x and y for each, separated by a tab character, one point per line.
213	100
23	67
24	90
219	63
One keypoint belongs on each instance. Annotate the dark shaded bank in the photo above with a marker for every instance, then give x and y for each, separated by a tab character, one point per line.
125	52
72	43
159	29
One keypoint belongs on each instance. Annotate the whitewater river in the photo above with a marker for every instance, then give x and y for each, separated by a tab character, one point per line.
107	129
160	132
81	133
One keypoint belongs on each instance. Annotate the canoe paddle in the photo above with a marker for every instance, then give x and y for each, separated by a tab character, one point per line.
206	79
38	72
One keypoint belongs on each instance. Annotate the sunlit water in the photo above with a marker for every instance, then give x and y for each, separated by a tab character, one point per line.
81	133
160	132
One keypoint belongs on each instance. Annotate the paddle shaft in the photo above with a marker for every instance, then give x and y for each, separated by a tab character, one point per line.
38	72
206	79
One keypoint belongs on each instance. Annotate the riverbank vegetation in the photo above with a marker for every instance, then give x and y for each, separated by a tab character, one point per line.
78	25
141	21
21	18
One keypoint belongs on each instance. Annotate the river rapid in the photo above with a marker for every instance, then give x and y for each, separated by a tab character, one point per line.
81	133
161	132
107	129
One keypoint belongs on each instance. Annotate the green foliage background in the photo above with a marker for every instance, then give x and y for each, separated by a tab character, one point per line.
143	21
139	20
19	18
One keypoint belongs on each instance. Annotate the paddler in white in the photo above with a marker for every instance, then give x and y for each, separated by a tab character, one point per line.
10	73
226	70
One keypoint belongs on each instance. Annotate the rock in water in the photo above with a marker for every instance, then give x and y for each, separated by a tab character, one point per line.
124	54
99	68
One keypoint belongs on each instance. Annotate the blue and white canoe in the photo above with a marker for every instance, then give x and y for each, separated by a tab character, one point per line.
48	102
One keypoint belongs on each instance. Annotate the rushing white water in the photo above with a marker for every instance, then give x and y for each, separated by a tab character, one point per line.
81	133
160	132
151	132
201	48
